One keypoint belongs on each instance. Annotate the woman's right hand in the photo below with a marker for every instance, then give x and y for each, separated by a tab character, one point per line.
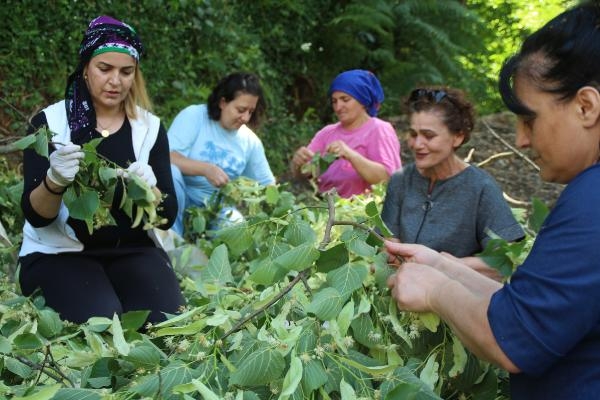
64	164
414	253
301	157
216	176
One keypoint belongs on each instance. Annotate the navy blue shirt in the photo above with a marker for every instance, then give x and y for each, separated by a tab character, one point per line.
547	319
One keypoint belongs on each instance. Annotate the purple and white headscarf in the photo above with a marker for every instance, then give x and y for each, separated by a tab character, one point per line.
104	34
361	84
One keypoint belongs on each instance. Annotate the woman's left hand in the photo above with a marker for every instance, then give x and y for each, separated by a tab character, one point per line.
340	149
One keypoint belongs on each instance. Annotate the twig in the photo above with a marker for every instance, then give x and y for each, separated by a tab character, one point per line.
275	299
497	155
515	201
331	207
370	230
50	371
512	148
301	275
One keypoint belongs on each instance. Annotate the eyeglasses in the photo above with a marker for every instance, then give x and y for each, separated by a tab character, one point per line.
436	95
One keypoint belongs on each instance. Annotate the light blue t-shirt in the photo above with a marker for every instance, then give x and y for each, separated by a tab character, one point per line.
238	153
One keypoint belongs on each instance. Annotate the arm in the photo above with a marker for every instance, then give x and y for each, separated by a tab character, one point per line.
371	171
459	295
301	157
41	203
213	173
160	163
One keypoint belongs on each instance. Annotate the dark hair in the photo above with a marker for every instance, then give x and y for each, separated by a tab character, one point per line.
231	87
458	113
559	58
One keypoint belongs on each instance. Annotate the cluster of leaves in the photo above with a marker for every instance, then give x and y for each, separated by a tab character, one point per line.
90	196
291	303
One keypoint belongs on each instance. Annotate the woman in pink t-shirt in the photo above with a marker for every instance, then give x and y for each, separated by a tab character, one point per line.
366	147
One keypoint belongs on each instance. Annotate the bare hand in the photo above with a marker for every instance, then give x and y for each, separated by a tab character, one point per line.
301	157
412	253
413	285
340	149
216	176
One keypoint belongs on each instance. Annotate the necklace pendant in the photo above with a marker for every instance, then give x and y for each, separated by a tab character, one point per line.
105	133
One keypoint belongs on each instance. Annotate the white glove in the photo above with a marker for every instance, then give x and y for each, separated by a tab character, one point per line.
64	164
142	170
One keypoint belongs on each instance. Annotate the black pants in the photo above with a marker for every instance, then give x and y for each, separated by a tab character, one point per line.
84	284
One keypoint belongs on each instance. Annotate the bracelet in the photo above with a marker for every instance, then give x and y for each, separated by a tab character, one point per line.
50	190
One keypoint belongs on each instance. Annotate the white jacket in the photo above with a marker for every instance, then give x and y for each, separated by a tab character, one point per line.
58	237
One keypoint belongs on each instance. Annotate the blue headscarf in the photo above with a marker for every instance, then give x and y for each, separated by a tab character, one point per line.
362	85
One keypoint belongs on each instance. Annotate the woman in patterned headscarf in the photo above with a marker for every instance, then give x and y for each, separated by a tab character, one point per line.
115	268
367	148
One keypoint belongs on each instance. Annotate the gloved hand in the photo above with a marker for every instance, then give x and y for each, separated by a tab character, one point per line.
142	170
64	164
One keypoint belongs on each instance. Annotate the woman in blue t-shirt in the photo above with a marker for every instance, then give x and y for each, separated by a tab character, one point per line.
212	144
544	325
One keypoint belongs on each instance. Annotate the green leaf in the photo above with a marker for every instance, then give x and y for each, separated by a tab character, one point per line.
429	374
26	142
272	194
459	359
218	270
189	329
313	376
403	384
27	341
46	393
76	394
539	212
49	323
346	391
345	317
299	232
333	258
118	338
134	320
144	355
83	206
267	273
5	345
488	387
298	258
176	373
430	320
17	367
326	304
359	246
347	279
108	176
291	379
99	324
259	368
238	238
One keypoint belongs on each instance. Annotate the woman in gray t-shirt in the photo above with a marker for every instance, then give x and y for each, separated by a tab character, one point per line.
440	200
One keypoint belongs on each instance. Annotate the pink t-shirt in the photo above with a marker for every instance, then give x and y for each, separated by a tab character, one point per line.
375	140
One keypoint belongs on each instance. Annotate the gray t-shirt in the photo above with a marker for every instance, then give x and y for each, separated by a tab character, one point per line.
456	217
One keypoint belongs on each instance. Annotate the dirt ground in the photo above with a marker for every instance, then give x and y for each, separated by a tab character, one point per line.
490	148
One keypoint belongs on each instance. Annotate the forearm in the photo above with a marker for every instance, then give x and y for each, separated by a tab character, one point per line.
371	171
188	166
472	280
466	314
43	202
